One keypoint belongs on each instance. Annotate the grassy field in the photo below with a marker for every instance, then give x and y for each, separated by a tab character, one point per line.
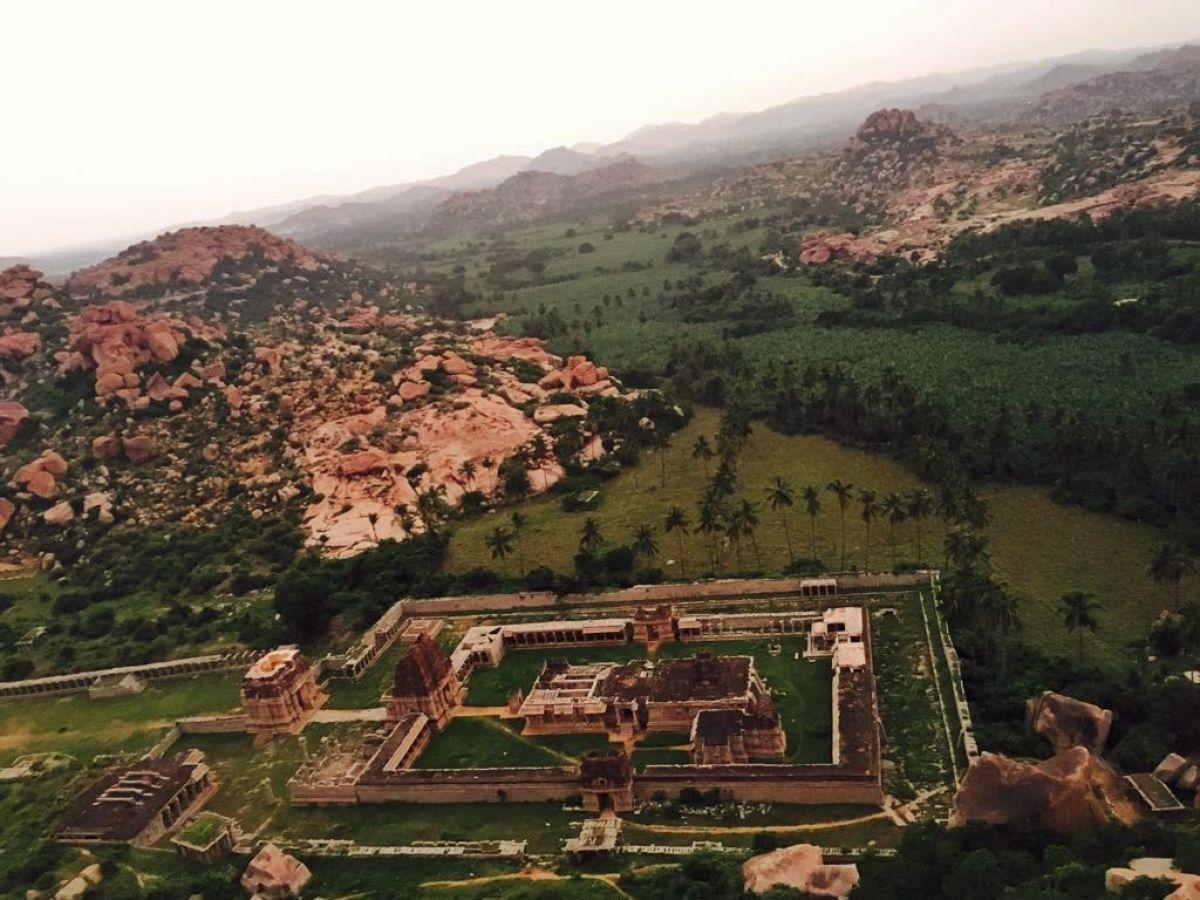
1043	549
83	728
486	742
915	742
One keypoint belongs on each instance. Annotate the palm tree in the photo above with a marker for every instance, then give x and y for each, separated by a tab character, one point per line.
518	521
703	451
432	506
661	441
1171	563
735	529
500	543
645	543
895	509
709	524
920	506
539	449
467	471
1000	610
677	522
812	506
590	537
749	514
870	509
1078	610
782	497
842	491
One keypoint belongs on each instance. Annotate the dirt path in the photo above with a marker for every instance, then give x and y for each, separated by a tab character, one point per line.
531	874
755	829
374	714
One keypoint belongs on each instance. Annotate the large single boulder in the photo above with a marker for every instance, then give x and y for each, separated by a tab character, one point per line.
12	416
7	508
802	867
1058	793
139	448
59	514
273	873
1067	722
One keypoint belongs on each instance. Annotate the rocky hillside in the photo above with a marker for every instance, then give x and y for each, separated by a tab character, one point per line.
221	367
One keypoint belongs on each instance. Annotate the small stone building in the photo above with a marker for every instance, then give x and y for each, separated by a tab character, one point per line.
139	802
280	692
722	737
653	625
606	781
424	683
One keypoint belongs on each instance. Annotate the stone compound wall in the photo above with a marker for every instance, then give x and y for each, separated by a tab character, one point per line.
658	593
770	784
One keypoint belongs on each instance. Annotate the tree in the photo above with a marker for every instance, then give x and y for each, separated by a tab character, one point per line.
500	542
518	521
539	450
1078	610
677	522
920	507
812	506
661	441
870	509
709	525
782	497
467	472
895	509
1170	565
842	491
645	543
703	451
432	506
749	516
590	536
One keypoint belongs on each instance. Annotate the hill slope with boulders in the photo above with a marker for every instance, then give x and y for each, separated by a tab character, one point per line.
225	368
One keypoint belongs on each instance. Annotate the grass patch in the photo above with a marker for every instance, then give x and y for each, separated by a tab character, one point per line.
482	742
83	728
1089	551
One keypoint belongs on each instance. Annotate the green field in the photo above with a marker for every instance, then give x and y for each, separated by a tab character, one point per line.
83	728
487	742
1043	549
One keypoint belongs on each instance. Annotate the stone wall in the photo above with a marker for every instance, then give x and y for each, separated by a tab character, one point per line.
762	784
212	724
657	593
53	685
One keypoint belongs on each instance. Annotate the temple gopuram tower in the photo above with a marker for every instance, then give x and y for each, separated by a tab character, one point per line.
425	682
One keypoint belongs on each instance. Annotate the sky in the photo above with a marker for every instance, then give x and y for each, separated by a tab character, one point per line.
123	118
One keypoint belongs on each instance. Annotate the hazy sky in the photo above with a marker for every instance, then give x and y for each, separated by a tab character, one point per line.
124	117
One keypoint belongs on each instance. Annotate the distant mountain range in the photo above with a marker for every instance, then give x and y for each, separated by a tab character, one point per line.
1052	90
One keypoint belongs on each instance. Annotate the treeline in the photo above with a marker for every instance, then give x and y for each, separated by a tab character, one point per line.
1039	258
1147	470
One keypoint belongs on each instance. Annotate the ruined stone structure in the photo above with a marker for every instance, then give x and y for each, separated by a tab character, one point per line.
606	781
280	691
654	625
425	682
137	803
722	737
632	698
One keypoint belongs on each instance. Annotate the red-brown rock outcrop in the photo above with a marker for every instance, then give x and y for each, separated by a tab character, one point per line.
1067	722
12	416
801	867
185	258
1058	793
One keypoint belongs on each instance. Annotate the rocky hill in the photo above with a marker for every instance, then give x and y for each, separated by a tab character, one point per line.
531	195
221	367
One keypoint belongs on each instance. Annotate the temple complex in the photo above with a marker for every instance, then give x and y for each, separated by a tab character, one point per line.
425	682
139	802
280	691
627	699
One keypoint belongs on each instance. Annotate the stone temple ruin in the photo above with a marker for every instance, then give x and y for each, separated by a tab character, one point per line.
280	691
718	703
139	802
